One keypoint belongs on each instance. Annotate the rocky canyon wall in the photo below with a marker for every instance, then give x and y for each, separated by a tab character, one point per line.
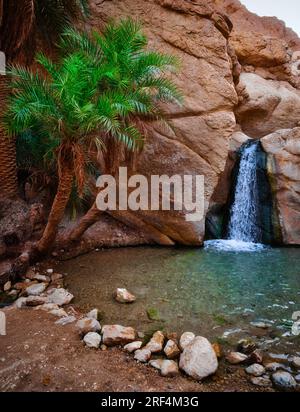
239	74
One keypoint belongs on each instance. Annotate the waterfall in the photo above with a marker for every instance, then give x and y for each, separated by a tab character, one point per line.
244	213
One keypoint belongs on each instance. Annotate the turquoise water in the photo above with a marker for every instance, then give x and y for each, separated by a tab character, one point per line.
209	291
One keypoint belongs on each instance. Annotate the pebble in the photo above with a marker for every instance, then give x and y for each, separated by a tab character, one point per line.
256	370
171	349
59	312
86	325
36	289
142	355
60	296
263	381
169	368
122	295
284	381
65	320
41	278
133	346
236	357
50	271
92	340
156	343
7	286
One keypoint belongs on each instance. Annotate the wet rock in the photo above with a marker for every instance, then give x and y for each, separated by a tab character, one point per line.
198	359
256	369
169	368
185	339
274	366
284	381
21	302
60	297
142	355
156	363
7	286
92	340
261	325
133	346
65	320
171	349
36	289
236	357
35	300
118	335
86	325
122	295
263	381
246	346
156	343
295	361
93	314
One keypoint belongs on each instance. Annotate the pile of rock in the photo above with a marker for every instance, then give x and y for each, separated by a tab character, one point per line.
264	373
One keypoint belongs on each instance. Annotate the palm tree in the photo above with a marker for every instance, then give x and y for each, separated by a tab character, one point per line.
25	25
132	70
65	109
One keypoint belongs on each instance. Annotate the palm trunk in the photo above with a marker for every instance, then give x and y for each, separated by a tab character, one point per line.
85	222
58	208
8	164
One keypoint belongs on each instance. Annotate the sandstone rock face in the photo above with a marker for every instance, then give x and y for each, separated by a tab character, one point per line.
283	150
267	105
197	144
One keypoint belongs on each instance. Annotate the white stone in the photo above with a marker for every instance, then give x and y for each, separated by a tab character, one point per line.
7	286
198	359
169	368
50	271
92	340
60	297
133	346
59	312
2	324
156	363
122	295
185	339
256	369
171	349
86	325
41	278
20	303
36	289
118	335
47	307
65	320
236	357
156	343
142	355
93	314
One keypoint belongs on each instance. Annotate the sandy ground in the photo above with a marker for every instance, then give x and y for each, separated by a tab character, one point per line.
37	355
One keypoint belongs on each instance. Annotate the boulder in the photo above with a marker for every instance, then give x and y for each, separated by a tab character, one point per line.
156	343
92	340
118	335
198	359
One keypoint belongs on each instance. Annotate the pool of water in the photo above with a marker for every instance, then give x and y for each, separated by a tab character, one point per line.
213	291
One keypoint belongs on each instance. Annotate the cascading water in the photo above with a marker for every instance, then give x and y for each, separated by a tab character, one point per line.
244	213
244	228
